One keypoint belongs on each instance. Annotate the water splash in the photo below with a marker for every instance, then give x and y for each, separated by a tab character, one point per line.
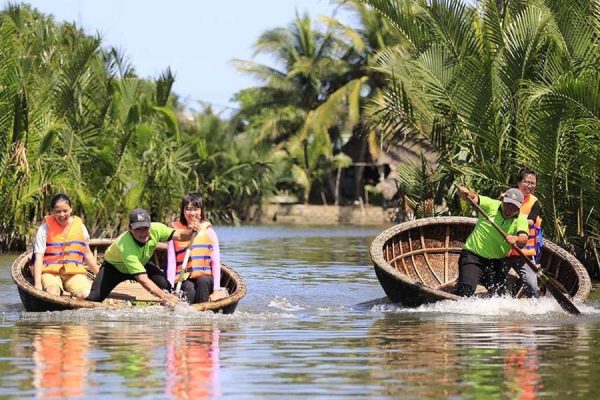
495	306
283	304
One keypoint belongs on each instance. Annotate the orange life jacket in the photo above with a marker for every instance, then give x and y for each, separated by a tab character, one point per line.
65	247
532	247
200	260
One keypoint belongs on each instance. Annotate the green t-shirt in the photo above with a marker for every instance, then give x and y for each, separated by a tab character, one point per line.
129	257
485	240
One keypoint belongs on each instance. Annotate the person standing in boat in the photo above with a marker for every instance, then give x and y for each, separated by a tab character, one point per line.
61	252
128	258
482	259
201	280
531	208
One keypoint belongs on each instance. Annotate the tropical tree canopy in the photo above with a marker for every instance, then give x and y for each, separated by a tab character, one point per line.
498	85
490	85
76	119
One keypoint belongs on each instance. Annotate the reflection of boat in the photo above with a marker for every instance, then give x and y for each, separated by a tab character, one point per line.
416	262
418	358
126	294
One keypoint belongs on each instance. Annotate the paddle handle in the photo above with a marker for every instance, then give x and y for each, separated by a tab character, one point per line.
182	273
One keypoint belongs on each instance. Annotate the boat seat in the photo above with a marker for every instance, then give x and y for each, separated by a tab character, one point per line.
448	287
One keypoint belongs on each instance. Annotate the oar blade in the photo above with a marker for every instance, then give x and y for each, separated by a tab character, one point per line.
562	300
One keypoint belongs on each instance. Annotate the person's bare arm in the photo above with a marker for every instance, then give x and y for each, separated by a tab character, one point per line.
183	235
520	240
465	193
90	261
146	282
37	270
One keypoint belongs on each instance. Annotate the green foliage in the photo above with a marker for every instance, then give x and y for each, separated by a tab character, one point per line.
492	86
310	103
75	118
500	85
422	189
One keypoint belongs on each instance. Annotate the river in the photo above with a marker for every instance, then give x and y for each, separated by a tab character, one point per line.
314	324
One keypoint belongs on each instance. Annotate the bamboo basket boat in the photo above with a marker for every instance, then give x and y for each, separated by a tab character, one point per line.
126	294
416	262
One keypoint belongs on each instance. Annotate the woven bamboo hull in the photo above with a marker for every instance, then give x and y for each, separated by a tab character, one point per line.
126	294
416	262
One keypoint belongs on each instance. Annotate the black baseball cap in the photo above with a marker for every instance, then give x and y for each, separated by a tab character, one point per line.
139	218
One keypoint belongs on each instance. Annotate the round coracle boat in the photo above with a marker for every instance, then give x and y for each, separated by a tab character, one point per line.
126	294
416	262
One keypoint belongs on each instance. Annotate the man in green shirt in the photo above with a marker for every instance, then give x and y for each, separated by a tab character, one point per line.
482	257
128	258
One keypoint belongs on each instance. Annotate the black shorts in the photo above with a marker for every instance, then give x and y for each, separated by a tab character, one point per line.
474	269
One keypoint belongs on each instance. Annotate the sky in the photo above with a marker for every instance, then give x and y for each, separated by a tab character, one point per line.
196	38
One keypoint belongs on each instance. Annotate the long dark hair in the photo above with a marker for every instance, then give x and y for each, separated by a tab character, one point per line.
190	199
60	197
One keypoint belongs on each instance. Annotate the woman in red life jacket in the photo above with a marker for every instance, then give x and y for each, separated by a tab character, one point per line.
62	253
532	210
203	270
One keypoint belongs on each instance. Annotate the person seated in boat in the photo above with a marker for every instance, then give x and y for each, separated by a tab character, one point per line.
200	281
482	259
531	208
127	258
61	252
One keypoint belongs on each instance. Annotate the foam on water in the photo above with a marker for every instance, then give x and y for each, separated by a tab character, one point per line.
281	303
156	315
330	309
495	306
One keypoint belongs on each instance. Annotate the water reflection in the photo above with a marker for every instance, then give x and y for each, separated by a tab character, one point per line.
123	360
504	363
297	335
193	363
521	370
418	359
490	360
61	361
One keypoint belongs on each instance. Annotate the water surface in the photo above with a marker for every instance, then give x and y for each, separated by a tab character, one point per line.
315	324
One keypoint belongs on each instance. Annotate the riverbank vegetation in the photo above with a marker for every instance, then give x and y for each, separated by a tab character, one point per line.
487	86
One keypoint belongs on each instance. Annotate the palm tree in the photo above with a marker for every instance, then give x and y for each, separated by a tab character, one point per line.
313	105
499	85
23	115
75	118
284	109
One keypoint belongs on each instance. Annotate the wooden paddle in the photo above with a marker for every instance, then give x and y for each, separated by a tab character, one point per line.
183	274
551	284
